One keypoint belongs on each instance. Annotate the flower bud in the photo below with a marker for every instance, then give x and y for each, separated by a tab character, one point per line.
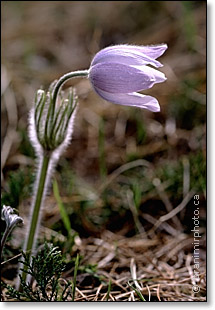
12	220
51	123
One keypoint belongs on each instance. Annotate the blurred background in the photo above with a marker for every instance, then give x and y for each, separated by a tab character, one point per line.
125	167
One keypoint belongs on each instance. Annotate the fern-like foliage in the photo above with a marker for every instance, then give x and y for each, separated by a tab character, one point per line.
46	268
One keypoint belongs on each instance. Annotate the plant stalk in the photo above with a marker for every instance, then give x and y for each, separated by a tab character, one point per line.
40	190
36	207
63	79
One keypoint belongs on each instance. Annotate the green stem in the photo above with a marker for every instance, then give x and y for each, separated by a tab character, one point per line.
63	79
36	207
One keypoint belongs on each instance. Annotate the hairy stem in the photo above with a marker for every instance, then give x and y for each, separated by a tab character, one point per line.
63	79
43	171
36	207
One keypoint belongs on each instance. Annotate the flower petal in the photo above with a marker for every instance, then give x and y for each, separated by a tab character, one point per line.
127	55
131	99
154	74
118	78
152	51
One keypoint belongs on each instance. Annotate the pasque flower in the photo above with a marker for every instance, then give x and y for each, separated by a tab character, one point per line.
119	72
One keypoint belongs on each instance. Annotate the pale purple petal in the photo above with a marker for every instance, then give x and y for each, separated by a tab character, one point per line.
125	55
152	51
118	78
131	99
157	76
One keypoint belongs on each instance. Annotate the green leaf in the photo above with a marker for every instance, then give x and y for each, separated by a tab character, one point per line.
63	213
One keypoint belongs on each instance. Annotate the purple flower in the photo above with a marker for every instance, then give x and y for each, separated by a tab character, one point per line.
118	72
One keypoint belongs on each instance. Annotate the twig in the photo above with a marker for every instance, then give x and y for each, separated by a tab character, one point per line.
134	274
121	169
12	258
165	226
134	212
157	183
158	292
106	259
176	210
81	293
149	292
98	291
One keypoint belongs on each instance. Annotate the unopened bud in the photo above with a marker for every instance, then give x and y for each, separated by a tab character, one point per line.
50	123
